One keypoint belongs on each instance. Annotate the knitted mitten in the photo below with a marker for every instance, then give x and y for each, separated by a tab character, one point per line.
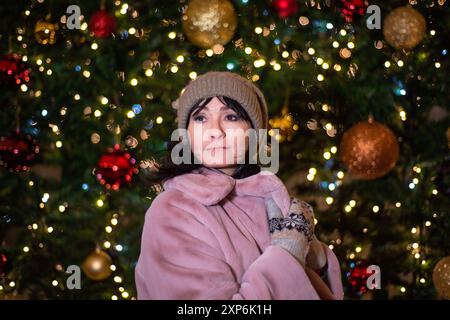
293	232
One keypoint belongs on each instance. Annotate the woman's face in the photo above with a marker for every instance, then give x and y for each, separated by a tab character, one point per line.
218	136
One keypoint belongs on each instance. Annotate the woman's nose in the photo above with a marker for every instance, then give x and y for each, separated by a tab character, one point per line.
215	130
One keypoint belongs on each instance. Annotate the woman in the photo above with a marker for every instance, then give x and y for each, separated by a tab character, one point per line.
224	229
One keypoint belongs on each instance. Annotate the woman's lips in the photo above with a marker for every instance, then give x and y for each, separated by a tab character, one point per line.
216	148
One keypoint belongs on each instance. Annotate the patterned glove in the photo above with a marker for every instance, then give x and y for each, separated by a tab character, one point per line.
294	232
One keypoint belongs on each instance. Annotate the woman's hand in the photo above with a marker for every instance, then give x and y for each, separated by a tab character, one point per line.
316	258
293	233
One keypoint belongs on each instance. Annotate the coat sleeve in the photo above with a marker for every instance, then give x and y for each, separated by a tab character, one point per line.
181	259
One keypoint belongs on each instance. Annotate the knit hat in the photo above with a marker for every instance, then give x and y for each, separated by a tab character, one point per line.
223	83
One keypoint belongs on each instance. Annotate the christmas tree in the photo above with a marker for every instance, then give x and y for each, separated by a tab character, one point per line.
358	90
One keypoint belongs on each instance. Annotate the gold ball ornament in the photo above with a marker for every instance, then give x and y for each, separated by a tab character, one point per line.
12	296
209	22
404	28
369	149
45	32
285	124
97	266
441	277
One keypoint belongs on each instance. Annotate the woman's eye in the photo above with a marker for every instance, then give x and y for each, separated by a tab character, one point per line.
232	117
199	118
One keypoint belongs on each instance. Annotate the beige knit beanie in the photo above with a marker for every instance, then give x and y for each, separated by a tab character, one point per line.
223	83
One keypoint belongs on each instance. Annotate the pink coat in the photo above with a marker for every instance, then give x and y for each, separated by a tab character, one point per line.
206	236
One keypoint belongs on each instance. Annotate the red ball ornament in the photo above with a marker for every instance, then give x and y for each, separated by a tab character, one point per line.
115	168
3	263
357	277
18	151
13	71
352	8
102	24
285	8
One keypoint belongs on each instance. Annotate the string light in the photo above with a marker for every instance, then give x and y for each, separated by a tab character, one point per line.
180	59
193	75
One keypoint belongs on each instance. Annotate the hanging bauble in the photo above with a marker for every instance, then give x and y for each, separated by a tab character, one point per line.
357	277
45	32
285	8
115	168
369	149
97	265
3	264
404	28
12	296
209	22
102	24
285	124
18	151
441	277
353	8
13	71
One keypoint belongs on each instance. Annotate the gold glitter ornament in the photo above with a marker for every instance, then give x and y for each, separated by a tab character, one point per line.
404	28
97	265
285	123
369	149
441	277
45	32
209	22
